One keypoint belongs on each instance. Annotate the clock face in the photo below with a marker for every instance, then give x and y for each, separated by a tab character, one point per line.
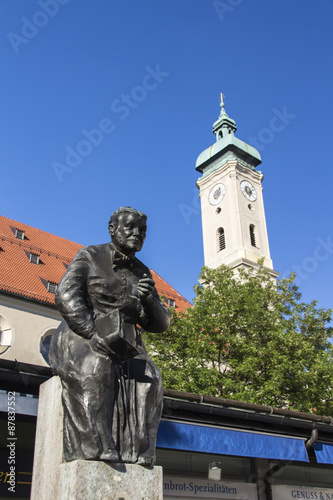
217	194
248	190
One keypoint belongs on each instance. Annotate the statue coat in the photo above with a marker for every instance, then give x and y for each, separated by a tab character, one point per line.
112	407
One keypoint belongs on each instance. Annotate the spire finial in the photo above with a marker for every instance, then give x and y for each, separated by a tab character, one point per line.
222	112
223	121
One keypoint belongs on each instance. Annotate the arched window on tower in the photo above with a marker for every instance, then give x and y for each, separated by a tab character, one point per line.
220	239
253	235
220	134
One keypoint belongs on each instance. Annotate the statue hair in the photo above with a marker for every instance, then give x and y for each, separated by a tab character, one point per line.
115	216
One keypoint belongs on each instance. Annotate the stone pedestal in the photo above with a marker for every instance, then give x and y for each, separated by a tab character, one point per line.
81	479
85	480
48	444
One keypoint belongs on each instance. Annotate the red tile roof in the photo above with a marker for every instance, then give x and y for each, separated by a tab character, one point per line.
21	277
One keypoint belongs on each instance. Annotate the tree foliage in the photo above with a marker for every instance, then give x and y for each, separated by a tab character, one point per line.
248	339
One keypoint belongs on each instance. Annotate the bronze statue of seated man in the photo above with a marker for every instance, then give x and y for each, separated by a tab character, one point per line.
111	390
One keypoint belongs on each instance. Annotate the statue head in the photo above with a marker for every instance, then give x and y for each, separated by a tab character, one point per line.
127	228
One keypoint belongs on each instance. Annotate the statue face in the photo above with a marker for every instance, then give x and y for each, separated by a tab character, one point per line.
128	233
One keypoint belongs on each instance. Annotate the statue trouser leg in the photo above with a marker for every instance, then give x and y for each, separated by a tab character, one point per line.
88	406
139	409
88	398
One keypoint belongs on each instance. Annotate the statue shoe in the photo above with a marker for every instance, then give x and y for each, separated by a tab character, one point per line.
110	456
145	461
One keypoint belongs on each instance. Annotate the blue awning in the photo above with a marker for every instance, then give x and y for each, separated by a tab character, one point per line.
324	453
179	436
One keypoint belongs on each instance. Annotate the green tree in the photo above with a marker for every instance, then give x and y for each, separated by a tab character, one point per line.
248	339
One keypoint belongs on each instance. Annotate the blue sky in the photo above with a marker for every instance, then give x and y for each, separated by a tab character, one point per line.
148	75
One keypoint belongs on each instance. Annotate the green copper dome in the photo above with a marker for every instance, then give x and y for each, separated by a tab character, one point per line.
227	145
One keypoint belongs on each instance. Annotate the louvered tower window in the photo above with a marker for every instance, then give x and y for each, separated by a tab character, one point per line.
220	239
253	235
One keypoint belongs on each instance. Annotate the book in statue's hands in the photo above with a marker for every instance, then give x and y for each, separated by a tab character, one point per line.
120	337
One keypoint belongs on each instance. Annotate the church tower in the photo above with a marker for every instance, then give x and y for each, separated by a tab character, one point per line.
232	206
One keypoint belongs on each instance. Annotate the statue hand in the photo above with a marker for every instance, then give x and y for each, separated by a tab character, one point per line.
145	289
100	346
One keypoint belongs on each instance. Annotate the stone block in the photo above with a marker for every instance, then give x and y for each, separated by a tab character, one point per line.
88	480
81	479
48	453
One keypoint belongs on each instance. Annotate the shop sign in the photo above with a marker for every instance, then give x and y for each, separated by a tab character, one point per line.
205	488
301	493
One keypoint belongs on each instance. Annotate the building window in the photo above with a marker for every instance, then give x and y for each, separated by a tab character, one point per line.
19	234
182	463
253	235
34	258
220	239
5	335
45	342
170	302
51	287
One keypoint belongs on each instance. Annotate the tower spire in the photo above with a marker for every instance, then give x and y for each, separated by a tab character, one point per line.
222	112
224	125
